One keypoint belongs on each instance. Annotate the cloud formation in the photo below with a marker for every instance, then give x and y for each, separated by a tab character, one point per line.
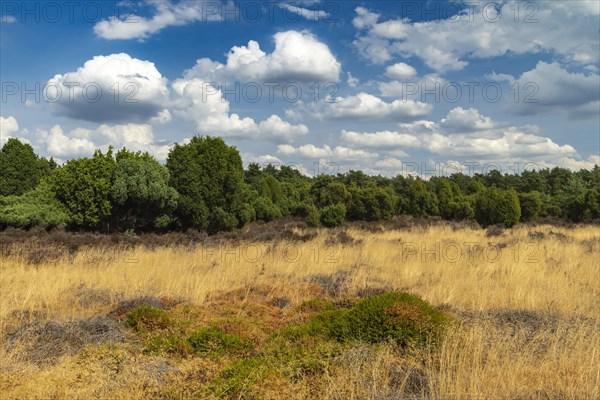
326	152
362	107
113	88
307	13
483	31
166	13
464	132
210	113
81	142
298	56
550	88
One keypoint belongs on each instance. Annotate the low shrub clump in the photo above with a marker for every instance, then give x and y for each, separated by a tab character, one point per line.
215	342
171	344
400	317
147	319
238	379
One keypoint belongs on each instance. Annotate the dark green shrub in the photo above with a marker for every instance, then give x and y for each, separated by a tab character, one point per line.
400	317
20	168
245	214
237	380
371	204
147	319
312	216
265	209
212	341
421	202
36	207
140	192
531	206
208	174
585	207
172	344
497	206
316	305
332	216
221	220
83	186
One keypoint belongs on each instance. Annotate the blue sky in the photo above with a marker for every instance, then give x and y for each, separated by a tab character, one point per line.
385	85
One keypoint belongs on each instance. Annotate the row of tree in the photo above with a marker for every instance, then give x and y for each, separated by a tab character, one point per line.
204	186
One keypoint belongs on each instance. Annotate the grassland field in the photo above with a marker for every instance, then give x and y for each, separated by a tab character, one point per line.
253	315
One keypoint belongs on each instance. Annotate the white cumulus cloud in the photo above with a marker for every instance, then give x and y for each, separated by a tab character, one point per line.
113	88
298	56
82	142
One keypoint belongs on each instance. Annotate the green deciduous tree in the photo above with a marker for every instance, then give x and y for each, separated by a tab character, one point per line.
83	186
140	192
36	207
20	168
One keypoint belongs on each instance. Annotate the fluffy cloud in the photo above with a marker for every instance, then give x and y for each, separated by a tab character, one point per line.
166	13
364	18
352	81
463	133
261	159
510	142
574	164
326	152
550	88
414	88
82	142
381	140
114	88
210	113
298	56
481	31
466	120
400	71
362	107
154	102
8	126
60	145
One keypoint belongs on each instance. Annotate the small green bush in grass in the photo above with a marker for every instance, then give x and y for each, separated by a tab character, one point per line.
316	305
237	380
146	319
401	317
212	341
171	344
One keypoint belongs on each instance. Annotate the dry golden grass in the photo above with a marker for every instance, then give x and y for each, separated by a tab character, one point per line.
527	305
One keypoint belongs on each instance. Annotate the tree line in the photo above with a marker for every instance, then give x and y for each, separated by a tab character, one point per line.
204	186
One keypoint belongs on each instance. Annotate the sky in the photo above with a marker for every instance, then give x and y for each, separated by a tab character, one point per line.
387	87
